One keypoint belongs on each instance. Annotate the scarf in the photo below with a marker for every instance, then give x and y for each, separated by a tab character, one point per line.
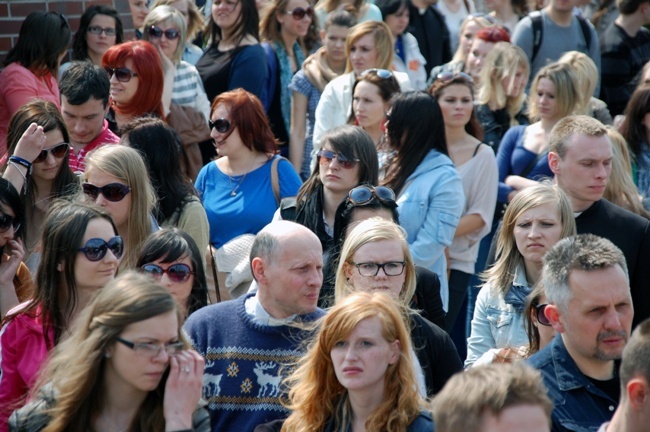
285	78
317	71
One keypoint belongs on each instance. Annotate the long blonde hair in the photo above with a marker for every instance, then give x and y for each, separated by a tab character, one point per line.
509	258
127	165
383	43
587	74
316	396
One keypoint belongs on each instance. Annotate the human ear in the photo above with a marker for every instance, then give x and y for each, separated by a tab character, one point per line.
395	348
552	312
347	270
322	36
59	266
258	268
637	392
554	162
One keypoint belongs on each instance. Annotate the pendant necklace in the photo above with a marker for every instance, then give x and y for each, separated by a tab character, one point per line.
239	183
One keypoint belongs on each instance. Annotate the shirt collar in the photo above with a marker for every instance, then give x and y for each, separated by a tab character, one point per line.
259	315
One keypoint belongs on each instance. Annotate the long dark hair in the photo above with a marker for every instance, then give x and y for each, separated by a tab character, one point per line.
9	197
473	127
160	148
416	127
43	37
172	244
248	24
633	129
80	44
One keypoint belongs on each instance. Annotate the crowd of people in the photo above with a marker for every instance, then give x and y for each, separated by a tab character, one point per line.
337	216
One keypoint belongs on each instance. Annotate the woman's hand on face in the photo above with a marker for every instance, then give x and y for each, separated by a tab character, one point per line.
183	390
31	143
9	266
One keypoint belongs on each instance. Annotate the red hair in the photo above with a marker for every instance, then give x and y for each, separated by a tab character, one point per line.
247	113
493	34
147	64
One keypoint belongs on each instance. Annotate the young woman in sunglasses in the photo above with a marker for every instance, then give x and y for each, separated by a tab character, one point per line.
172	258
137	82
15	279
100	28
369	45
536	219
38	166
348	158
283	28
375	258
371	95
125	367
538	327
31	67
478	171
81	252
116	180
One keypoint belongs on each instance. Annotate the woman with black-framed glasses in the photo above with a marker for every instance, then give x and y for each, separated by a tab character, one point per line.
38	166
375	257
80	254
100	28
126	366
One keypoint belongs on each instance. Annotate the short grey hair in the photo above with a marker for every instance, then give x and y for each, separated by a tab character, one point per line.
582	252
265	246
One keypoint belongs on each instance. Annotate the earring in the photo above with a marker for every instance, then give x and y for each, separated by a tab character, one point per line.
107	354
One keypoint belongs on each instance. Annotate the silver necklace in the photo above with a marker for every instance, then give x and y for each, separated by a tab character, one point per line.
239	183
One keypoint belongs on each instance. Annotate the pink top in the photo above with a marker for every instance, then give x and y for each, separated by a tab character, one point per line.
18	85
77	160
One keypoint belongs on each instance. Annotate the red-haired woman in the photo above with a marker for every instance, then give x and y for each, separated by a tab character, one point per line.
236	189
137	82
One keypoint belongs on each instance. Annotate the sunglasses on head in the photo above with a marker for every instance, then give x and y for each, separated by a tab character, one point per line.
7	222
489	18
448	76
58	151
97	30
122	74
299	13
157	32
113	192
539	314
381	73
364	194
221	125
95	249
177	273
325	157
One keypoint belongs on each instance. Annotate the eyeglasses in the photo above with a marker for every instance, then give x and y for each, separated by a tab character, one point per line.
113	192
7	222
448	76
95	249
149	349
370	269
157	32
58	151
539	314
381	73
122	74
325	157
177	273
221	125
97	30
299	13
364	194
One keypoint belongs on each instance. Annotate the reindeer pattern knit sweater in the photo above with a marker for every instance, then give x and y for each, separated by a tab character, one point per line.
244	363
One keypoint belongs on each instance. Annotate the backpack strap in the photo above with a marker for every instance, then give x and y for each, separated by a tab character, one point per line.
586	32
538	33
275	179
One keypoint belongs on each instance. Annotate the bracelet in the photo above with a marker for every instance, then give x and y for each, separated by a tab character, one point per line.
24	162
17	168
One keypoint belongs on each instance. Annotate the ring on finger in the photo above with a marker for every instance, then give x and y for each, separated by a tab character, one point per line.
186	369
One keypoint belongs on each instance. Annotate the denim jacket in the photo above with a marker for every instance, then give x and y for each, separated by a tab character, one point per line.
429	206
579	404
495	324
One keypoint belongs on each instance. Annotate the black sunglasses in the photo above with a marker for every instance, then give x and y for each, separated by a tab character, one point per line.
448	76
325	157
177	273
7	222
221	125
364	194
113	192
381	73
95	249
97	30
157	32
299	13
122	74
58	151
539	314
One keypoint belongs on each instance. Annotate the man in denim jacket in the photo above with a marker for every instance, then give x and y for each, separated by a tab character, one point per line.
633	414
590	307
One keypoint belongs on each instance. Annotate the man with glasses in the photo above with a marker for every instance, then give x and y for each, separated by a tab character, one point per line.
590	307
84	103
249	343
